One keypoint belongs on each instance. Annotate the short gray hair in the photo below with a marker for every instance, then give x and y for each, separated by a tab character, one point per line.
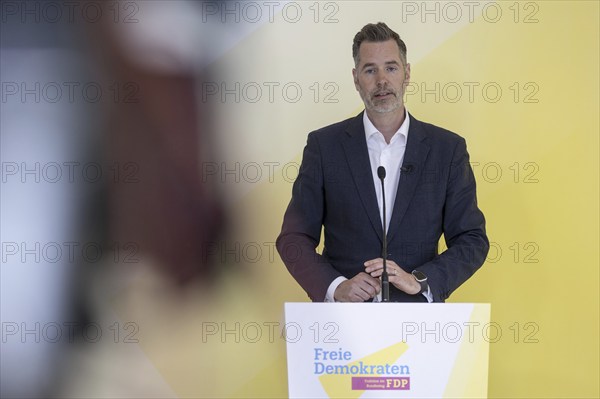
377	33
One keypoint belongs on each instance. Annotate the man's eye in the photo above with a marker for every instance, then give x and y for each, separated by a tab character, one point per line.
369	71
392	69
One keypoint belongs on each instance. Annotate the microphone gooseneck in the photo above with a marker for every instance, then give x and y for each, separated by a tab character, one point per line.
385	283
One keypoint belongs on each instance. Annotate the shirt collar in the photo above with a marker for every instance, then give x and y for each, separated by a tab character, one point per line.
370	129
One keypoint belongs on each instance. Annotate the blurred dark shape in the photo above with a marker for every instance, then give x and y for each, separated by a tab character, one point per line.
157	134
149	130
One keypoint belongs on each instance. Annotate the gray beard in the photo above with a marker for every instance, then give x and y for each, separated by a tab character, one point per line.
384	108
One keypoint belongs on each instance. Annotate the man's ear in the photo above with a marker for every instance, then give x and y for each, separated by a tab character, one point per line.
355	77
407	73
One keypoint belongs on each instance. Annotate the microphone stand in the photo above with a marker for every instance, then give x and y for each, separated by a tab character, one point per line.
385	283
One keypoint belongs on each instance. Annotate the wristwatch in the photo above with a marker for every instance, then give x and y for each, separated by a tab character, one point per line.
421	279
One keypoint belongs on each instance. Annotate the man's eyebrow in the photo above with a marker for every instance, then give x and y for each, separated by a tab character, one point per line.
368	65
372	64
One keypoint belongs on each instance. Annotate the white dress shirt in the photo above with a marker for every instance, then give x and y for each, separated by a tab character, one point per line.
390	156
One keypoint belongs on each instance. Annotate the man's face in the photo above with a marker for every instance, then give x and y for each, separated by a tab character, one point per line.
381	77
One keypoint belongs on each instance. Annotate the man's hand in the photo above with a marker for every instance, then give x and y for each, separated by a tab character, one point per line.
358	289
396	275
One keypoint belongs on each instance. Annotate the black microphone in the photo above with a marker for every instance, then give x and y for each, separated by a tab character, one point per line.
385	283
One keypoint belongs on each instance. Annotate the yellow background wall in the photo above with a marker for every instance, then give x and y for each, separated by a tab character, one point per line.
534	148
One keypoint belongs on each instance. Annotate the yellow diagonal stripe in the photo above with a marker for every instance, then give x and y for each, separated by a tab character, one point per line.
340	386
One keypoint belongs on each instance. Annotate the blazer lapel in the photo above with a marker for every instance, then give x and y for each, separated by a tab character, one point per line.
357	156
414	159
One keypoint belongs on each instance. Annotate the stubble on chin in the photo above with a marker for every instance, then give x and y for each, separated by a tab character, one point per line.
384	106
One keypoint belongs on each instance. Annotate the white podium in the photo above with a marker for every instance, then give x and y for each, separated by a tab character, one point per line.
387	350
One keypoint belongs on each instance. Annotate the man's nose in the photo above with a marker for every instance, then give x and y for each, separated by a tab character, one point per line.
381	79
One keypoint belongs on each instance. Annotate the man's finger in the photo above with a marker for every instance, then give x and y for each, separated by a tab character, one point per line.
368	284
367	278
376	273
373	261
361	293
373	282
373	266
367	289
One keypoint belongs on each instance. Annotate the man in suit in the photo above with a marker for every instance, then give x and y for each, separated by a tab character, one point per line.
429	188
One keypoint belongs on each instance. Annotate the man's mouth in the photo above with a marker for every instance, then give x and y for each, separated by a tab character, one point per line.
383	94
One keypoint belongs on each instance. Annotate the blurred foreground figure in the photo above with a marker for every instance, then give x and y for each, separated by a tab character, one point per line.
157	133
96	187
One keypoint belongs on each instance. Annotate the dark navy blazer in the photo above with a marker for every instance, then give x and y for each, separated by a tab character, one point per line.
335	190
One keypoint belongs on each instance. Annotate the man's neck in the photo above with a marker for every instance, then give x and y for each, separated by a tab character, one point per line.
387	123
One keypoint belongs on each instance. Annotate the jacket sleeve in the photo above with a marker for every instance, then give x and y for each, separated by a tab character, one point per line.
302	223
463	228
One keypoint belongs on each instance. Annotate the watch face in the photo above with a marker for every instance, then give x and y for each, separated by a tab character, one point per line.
419	276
